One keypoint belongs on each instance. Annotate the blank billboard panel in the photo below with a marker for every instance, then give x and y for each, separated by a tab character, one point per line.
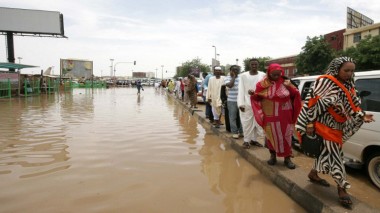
31	21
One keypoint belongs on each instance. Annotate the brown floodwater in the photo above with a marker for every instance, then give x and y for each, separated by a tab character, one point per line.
110	150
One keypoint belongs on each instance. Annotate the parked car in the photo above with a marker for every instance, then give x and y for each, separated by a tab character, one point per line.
363	148
200	94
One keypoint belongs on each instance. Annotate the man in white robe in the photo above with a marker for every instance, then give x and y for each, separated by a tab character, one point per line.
213	94
248	81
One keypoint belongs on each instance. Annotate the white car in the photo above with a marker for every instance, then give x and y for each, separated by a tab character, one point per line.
200	94
363	148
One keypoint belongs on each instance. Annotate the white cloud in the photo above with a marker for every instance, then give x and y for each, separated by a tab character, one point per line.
100	30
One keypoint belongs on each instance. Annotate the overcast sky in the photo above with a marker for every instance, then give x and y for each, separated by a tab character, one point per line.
170	32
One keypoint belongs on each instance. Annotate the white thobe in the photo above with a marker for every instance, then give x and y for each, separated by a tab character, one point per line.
250	127
213	93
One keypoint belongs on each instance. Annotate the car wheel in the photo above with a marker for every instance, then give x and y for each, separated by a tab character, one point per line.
373	168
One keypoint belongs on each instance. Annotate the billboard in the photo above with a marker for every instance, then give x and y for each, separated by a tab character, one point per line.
356	19
32	22
76	69
139	74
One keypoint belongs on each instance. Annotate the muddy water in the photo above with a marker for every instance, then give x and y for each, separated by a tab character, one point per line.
113	151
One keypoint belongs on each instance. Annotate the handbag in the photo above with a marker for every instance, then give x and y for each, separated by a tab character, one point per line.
312	145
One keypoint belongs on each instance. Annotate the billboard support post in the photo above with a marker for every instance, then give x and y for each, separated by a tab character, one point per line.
11	52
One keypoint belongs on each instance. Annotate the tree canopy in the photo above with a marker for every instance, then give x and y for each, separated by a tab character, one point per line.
262	62
315	56
192	67
366	53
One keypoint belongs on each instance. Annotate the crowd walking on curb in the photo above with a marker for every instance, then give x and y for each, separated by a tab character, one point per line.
269	104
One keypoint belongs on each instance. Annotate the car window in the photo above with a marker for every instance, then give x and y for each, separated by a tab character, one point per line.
306	88
372	101
296	83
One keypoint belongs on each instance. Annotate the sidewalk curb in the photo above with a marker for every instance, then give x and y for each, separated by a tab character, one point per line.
294	183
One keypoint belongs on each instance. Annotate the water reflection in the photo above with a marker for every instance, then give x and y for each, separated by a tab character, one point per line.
34	137
114	151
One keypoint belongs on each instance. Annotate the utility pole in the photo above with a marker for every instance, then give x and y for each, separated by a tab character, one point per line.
111	66
162	72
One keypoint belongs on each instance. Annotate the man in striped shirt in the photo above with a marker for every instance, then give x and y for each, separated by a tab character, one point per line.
232	82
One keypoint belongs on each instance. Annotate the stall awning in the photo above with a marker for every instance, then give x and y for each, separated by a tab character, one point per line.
7	65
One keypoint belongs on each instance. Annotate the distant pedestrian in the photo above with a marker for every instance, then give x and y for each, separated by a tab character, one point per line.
171	86
213	95
192	91
208	111
139	86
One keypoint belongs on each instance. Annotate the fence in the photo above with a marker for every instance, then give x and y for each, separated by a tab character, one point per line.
5	88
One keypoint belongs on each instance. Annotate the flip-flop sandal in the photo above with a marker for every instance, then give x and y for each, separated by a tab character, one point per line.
246	145
321	182
346	202
255	143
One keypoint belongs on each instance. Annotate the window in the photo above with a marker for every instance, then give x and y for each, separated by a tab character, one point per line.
357	37
370	102
286	72
333	38
306	89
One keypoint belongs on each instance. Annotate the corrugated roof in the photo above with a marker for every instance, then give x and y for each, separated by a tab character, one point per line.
8	65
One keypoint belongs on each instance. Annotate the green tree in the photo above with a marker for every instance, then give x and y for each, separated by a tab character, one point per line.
192	66
262	63
315	56
366	53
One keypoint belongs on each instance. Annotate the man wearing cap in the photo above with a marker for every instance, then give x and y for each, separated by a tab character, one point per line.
247	82
213	94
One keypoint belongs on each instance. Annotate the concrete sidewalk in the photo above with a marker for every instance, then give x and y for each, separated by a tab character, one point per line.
313	197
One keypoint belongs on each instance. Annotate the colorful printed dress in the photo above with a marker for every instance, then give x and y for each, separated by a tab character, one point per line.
276	108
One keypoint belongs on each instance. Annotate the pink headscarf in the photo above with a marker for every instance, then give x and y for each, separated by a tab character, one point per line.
273	67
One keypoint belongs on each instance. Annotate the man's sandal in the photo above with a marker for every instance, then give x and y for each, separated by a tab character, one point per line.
246	145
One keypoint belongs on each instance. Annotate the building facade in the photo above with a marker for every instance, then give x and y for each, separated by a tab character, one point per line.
354	36
335	39
287	62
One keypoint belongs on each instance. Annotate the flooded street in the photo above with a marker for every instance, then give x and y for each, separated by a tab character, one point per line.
110	150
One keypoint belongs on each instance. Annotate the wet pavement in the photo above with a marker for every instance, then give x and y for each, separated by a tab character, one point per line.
110	150
312	197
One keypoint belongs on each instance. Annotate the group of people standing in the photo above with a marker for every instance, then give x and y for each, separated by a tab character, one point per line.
269	105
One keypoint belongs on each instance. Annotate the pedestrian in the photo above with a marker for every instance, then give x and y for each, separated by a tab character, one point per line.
177	89
213	95
208	111
248	81
182	86
276	103
232	84
139	87
171	86
331	110
192	91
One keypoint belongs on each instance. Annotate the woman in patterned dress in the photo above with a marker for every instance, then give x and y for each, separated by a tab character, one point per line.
332	111
276	104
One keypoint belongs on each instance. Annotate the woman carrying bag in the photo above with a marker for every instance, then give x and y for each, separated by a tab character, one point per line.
331	110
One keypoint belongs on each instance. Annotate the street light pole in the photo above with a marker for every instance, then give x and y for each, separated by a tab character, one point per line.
162	72
237	61
215	53
111	66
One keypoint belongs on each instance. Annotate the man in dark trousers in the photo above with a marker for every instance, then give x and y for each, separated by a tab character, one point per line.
139	86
